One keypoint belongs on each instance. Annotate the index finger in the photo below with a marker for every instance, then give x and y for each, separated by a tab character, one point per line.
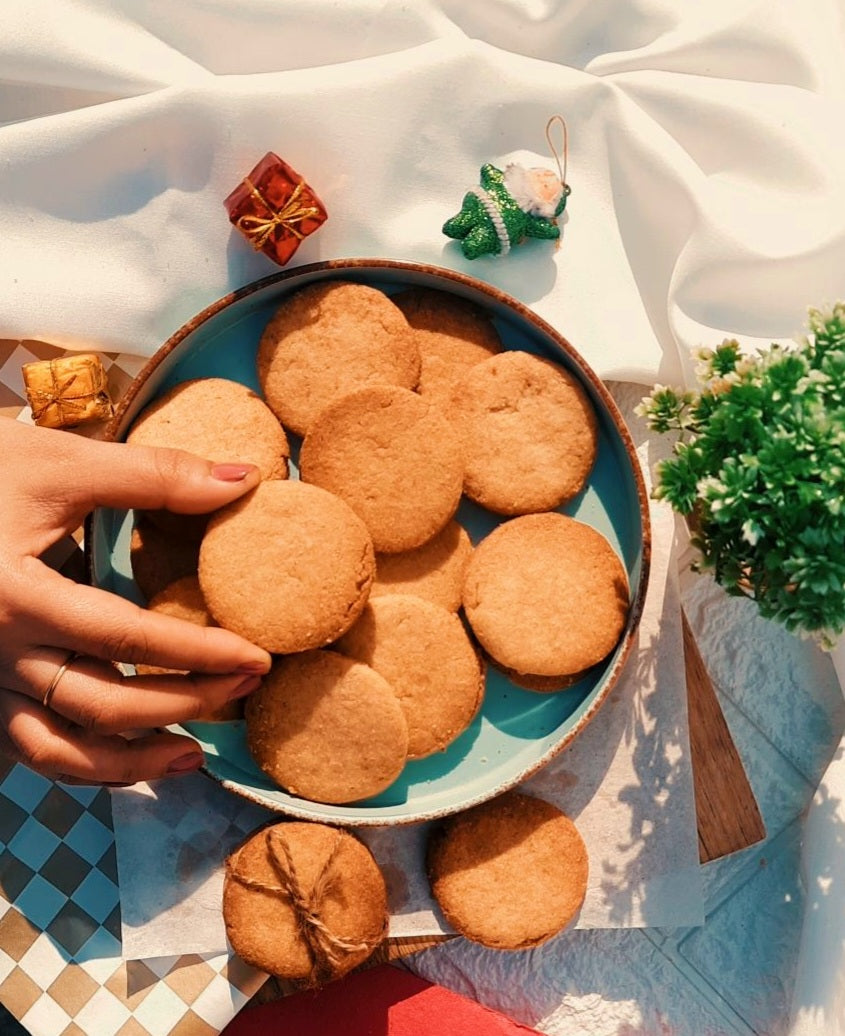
94	622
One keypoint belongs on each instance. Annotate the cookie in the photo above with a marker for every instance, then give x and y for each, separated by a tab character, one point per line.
158	558
453	334
306	902
393	457
427	657
547	597
435	571
289	566
528	433
510	873
183	599
327	728
221	420
327	340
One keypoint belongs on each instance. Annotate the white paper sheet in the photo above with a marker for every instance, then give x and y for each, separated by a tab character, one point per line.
626	781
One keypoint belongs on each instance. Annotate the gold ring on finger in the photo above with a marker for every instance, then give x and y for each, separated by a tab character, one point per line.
59	673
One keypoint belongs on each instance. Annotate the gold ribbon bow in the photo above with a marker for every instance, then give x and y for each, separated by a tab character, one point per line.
260	228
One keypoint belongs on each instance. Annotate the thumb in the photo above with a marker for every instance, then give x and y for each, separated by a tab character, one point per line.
154	478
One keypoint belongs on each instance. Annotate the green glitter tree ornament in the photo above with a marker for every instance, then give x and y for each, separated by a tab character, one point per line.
511	205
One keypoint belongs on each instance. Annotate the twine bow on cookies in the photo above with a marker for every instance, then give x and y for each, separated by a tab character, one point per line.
259	229
327	949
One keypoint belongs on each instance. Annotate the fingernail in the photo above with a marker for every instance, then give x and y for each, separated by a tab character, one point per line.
252	667
231	472
245	687
187	762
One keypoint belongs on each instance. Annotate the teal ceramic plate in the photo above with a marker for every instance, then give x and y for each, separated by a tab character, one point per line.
517	731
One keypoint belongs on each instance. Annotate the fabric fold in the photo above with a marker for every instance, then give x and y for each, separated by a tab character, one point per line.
701	204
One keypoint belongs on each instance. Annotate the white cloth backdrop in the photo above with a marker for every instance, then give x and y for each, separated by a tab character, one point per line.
706	161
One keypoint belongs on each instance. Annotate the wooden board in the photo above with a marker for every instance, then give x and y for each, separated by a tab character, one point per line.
728	816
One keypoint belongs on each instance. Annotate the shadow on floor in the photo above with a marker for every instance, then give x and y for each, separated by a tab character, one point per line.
8	1025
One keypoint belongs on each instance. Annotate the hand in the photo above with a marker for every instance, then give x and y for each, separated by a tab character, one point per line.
51	480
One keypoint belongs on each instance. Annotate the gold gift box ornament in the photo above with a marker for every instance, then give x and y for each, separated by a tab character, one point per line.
67	391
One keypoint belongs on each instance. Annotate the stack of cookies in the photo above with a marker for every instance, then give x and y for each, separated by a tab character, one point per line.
357	575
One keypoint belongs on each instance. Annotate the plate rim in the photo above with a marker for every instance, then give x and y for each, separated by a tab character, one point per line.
626	642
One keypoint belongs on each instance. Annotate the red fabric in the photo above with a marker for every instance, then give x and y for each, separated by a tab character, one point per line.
382	1001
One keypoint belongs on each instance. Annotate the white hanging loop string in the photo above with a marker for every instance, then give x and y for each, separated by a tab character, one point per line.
563	151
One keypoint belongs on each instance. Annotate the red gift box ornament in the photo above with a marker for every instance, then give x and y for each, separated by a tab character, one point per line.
274	208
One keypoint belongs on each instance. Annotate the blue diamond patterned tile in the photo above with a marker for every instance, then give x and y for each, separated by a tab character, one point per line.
40	902
97	895
108	863
34	844
11	818
89	838
100	807
14	876
58	811
71	927
83	793
65	869
102	945
112	922
25	787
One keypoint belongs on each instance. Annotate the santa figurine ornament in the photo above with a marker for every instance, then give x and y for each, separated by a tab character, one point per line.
512	205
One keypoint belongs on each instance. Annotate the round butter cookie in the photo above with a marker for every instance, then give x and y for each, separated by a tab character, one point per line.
183	599
426	655
528	433
327	728
547	598
435	571
393	458
221	420
453	334
306	902
158	558
327	340
289	566
510	873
